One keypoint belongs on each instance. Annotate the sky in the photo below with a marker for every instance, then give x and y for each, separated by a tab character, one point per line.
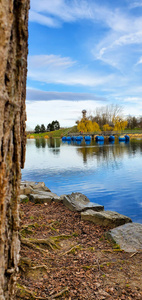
83	54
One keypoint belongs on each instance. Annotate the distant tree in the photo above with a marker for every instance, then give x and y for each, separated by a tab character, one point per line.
48	127
37	129
106	114
55	125
140	122
42	128
132	122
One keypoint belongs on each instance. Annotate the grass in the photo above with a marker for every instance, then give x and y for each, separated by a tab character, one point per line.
55	134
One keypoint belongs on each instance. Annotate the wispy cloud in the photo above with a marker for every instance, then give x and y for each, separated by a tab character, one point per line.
135	4
65	11
75	10
42	19
50	61
57	70
116	48
139	61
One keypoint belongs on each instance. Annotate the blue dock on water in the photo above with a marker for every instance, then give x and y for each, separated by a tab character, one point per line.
98	138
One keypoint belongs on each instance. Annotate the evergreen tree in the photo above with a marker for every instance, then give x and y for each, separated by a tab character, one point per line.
42	128
37	129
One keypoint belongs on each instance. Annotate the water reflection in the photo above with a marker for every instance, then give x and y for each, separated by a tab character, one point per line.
104	151
50	143
110	151
40	143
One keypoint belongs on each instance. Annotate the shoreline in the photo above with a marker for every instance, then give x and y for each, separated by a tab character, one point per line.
38	193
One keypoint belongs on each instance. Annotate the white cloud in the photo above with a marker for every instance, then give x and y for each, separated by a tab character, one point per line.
51	61
42	19
115	49
139	61
123	28
74	10
135	4
67	11
66	112
134	100
57	70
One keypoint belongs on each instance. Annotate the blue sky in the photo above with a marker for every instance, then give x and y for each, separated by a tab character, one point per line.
83	54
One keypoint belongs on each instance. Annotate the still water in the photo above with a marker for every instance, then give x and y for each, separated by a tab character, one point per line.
108	174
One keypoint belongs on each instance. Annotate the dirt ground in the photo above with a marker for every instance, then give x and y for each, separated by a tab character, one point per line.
63	257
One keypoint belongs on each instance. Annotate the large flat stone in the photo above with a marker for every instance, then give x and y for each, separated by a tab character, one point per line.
128	236
43	197
31	187
26	183
79	202
105	218
26	190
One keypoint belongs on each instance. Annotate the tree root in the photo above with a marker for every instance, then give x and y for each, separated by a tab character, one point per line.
59	294
71	249
51	242
30	244
24	291
39	267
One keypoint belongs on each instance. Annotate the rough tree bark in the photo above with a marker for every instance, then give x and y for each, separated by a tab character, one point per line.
13	71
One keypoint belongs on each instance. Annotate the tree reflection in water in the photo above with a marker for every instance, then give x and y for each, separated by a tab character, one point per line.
50	143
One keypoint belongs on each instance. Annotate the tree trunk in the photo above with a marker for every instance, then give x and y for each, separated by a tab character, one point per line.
13	71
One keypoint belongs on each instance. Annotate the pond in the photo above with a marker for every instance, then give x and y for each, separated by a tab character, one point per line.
108	174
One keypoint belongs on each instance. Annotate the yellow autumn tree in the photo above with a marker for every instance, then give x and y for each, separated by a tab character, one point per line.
119	124
96	127
106	127
81	126
86	125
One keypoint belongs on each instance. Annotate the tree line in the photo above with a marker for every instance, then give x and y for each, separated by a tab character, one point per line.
107	118
54	125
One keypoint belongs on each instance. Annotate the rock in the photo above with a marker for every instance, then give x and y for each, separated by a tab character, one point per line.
79	202
24	199
44	188
26	190
31	187
105	218
38	185
128	236
43	197
28	183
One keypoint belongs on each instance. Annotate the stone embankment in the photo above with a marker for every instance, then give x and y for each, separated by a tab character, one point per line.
126	234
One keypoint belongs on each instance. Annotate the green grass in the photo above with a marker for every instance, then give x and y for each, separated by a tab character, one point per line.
136	130
65	131
57	133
